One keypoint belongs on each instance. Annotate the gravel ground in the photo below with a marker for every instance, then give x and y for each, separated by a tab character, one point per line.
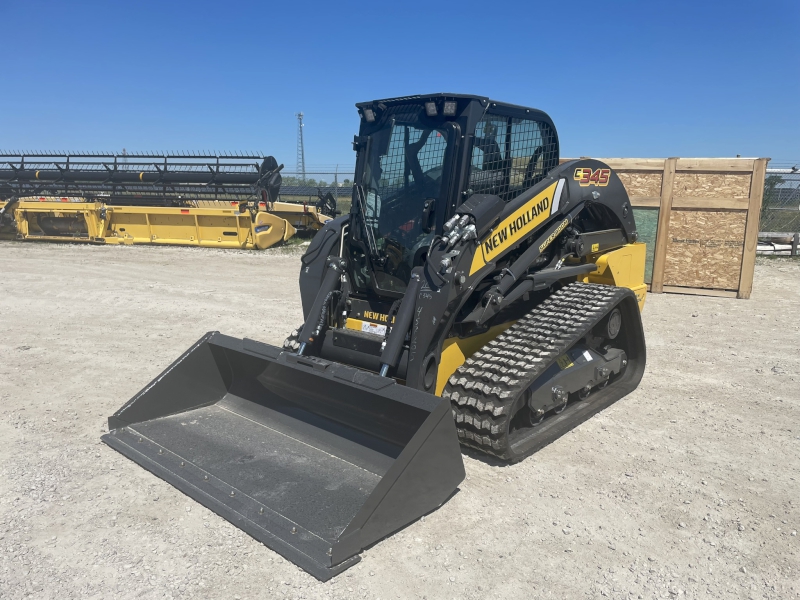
686	488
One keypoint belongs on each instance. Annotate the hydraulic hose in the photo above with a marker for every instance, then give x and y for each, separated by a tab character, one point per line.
330	282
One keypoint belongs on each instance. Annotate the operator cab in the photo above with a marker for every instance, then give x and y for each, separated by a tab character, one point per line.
418	159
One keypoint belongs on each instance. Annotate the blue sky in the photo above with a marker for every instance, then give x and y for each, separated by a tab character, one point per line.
637	79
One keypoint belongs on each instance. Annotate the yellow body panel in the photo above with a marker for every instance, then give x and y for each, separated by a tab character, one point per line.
298	215
216	227
85	218
514	228
455	351
623	267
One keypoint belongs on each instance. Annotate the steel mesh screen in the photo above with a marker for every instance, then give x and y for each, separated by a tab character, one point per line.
393	164
780	209
510	155
396	171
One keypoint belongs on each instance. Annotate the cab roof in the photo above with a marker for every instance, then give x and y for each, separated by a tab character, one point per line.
495	107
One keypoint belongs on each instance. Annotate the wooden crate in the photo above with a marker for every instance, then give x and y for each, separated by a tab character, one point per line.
699	217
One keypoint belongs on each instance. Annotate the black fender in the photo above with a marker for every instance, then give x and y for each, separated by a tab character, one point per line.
324	244
595	183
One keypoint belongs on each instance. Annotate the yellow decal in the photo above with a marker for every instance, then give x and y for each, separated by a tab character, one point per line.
595	247
514	228
554	235
586	177
565	362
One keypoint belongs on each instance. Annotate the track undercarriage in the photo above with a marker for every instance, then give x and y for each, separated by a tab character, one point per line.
552	370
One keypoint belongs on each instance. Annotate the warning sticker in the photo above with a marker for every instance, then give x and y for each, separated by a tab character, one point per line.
373	328
565	362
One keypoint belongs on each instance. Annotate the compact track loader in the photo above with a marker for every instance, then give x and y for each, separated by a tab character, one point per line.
478	292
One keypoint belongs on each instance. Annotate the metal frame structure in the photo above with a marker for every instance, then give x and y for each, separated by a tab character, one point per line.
301	151
144	179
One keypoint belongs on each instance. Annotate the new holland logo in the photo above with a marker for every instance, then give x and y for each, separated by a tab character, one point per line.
515	226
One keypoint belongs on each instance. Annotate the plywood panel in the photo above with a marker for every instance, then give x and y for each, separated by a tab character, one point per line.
711	185
674	289
711	203
638	183
699	219
648	201
704	249
635	164
743	165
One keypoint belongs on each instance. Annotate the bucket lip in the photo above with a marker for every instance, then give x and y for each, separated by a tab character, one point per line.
295	543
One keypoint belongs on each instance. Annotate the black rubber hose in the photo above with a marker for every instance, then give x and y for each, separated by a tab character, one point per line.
329	283
323	313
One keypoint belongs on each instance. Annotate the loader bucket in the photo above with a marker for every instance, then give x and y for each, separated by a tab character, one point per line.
315	459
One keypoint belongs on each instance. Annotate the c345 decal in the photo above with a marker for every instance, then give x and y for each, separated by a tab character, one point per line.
586	177
513	228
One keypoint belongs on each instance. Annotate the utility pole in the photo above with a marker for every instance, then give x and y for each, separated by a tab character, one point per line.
301	153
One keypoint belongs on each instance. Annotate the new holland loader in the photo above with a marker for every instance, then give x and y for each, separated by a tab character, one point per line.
478	293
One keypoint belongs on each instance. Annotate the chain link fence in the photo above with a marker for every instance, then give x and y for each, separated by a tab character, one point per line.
780	211
779	229
310	186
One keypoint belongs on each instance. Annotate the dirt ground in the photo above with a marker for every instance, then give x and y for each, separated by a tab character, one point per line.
689	487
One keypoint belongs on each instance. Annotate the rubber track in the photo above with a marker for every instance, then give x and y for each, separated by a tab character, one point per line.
483	390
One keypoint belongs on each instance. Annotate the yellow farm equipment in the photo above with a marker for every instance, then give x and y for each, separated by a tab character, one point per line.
221	202
98	223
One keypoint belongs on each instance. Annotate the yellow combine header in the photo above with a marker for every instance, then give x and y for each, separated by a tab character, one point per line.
227	201
213	224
